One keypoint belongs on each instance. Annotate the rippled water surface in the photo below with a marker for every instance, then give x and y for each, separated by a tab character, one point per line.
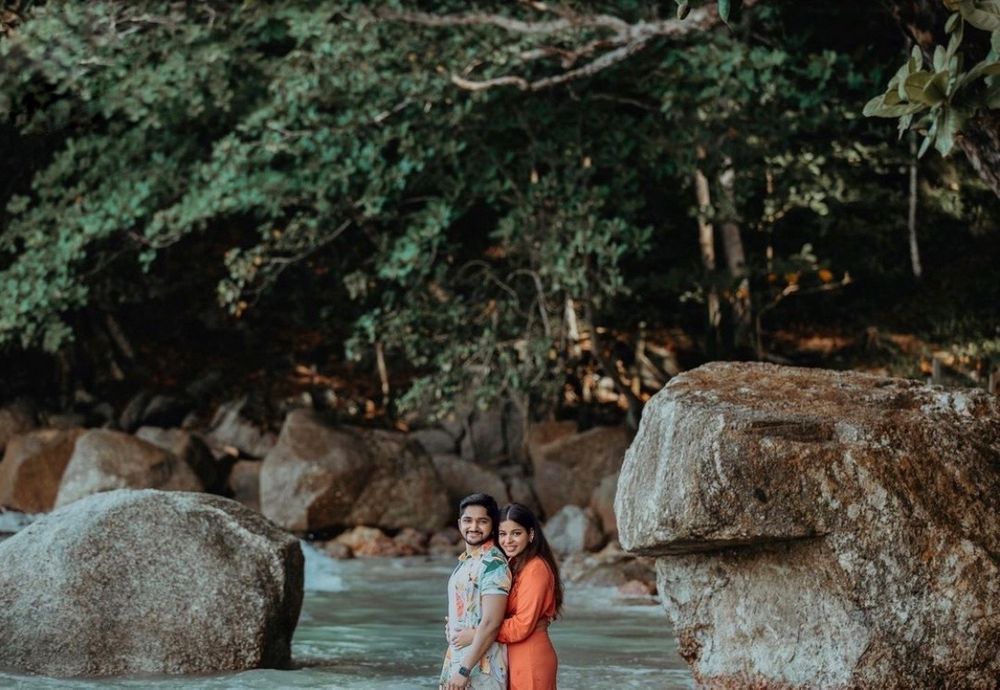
371	623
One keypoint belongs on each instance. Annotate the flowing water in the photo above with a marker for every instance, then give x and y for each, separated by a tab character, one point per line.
379	624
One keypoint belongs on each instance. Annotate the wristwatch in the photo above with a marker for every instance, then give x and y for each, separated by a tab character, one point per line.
463	671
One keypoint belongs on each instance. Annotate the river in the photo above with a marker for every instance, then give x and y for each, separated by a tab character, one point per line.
379	624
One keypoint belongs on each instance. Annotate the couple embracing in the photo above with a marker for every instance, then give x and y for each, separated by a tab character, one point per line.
501	598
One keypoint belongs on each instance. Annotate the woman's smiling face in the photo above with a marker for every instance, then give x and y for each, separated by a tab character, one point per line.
514	538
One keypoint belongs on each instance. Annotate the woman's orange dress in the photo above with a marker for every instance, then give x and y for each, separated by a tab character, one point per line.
532	662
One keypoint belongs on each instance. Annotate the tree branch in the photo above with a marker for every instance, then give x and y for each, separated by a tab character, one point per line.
625	39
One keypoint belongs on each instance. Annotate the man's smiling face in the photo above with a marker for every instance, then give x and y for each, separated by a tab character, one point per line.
475	525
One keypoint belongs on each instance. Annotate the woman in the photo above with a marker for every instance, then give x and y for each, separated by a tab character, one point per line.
535	599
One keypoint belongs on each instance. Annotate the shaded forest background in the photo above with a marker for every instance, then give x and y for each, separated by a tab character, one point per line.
387	215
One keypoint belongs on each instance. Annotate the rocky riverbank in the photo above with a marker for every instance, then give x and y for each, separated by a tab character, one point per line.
356	492
809	528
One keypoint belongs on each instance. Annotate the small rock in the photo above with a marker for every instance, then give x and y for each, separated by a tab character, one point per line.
16	418
367	541
33	467
637	588
446	542
232	427
410	542
573	529
339	550
66	420
244	483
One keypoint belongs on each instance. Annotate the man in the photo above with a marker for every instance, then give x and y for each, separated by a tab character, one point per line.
477	598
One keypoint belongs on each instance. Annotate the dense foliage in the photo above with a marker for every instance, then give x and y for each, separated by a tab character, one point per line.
287	168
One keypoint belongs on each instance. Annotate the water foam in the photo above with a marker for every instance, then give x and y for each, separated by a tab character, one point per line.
322	572
12	521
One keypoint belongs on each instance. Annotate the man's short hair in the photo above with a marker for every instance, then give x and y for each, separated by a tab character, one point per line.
487	502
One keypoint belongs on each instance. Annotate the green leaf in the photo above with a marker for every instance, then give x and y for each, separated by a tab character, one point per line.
984	14
913	87
725	6
925	146
956	40
992	98
981	69
877	107
952	22
940	58
949	122
904	124
936	89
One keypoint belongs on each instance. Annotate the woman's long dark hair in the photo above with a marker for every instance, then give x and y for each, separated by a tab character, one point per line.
538	546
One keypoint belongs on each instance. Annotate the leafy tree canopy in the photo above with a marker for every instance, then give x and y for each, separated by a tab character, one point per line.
316	165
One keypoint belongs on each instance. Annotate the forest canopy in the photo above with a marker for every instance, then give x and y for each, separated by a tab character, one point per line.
420	189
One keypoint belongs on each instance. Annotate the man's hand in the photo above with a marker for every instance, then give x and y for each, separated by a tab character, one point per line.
463	638
457	682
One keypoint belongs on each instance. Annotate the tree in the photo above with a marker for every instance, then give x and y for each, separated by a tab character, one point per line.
335	174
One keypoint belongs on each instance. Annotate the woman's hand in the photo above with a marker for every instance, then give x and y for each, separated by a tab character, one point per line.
463	638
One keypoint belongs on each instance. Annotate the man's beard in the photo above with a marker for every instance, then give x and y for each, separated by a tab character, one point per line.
478	539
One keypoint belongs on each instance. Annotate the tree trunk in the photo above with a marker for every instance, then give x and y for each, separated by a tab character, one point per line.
912	216
980	140
706	239
732	245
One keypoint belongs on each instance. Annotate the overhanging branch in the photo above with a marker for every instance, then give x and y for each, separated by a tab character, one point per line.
624	40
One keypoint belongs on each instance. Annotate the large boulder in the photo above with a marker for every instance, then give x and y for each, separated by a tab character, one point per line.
493	436
543	433
460	478
821	529
609	567
521	489
104	460
153	410
16	418
573	529
602	502
193	451
233	426
320	476
148	582
244	483
435	440
568	469
32	468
